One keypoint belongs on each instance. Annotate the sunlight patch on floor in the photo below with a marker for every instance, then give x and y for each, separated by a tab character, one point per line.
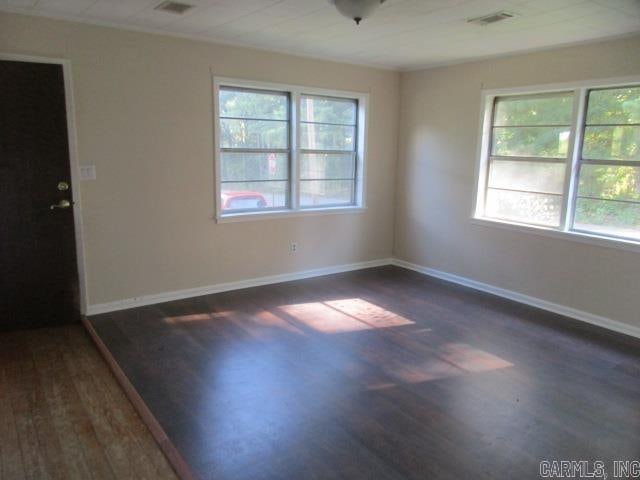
195	317
351	315
471	359
346	315
264	324
198	317
445	361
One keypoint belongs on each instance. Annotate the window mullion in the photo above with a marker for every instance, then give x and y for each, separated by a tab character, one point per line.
610	163
329	152
498	158
573	170
253	150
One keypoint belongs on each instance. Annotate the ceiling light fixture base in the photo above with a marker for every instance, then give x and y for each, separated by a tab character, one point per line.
356	10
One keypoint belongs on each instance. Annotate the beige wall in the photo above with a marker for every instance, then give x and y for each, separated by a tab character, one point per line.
144	117
440	114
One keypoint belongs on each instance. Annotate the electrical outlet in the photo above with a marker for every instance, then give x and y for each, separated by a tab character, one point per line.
293	247
87	172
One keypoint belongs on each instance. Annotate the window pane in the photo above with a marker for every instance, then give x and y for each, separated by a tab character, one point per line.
317	193
327	165
608	217
530	176
253	134
612	143
244	166
327	110
327	137
619	105
250	104
609	182
253	195
554	109
522	207
546	142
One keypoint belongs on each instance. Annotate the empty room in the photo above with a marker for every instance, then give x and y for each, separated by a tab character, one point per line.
319	239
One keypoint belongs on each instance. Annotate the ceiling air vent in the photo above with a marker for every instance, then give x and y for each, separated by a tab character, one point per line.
491	18
173	7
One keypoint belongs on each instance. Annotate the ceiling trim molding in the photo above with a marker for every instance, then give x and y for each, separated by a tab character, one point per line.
238	44
184	36
558	46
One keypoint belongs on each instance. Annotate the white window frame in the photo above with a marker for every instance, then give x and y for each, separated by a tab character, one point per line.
565	230
295	92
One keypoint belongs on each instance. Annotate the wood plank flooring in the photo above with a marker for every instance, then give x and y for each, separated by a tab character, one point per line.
377	374
63	415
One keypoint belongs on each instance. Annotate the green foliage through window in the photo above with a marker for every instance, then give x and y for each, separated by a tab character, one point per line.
528	160
609	193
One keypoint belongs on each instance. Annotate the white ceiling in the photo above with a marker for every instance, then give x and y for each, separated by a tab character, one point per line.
402	34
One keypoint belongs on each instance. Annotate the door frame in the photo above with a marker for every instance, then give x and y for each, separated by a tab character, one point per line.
74	163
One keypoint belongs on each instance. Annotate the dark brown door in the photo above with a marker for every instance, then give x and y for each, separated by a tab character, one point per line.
38	269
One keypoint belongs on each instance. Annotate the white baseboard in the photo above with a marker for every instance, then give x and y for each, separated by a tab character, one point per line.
574	313
225	287
581	315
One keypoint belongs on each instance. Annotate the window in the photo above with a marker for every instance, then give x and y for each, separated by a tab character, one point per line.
255	149
565	160
328	131
287	149
529	153
608	196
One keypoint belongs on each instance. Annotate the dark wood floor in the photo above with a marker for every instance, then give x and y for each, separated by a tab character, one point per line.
63	415
377	374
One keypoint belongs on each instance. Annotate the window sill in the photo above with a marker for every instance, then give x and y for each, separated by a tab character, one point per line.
273	214
590	239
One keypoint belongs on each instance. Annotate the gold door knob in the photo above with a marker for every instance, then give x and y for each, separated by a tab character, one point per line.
61	204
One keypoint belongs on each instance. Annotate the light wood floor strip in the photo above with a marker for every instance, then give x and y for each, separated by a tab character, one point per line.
124	415
10	455
23	384
63	415
81	450
48	439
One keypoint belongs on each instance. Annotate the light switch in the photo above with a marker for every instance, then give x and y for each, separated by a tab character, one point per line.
87	172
